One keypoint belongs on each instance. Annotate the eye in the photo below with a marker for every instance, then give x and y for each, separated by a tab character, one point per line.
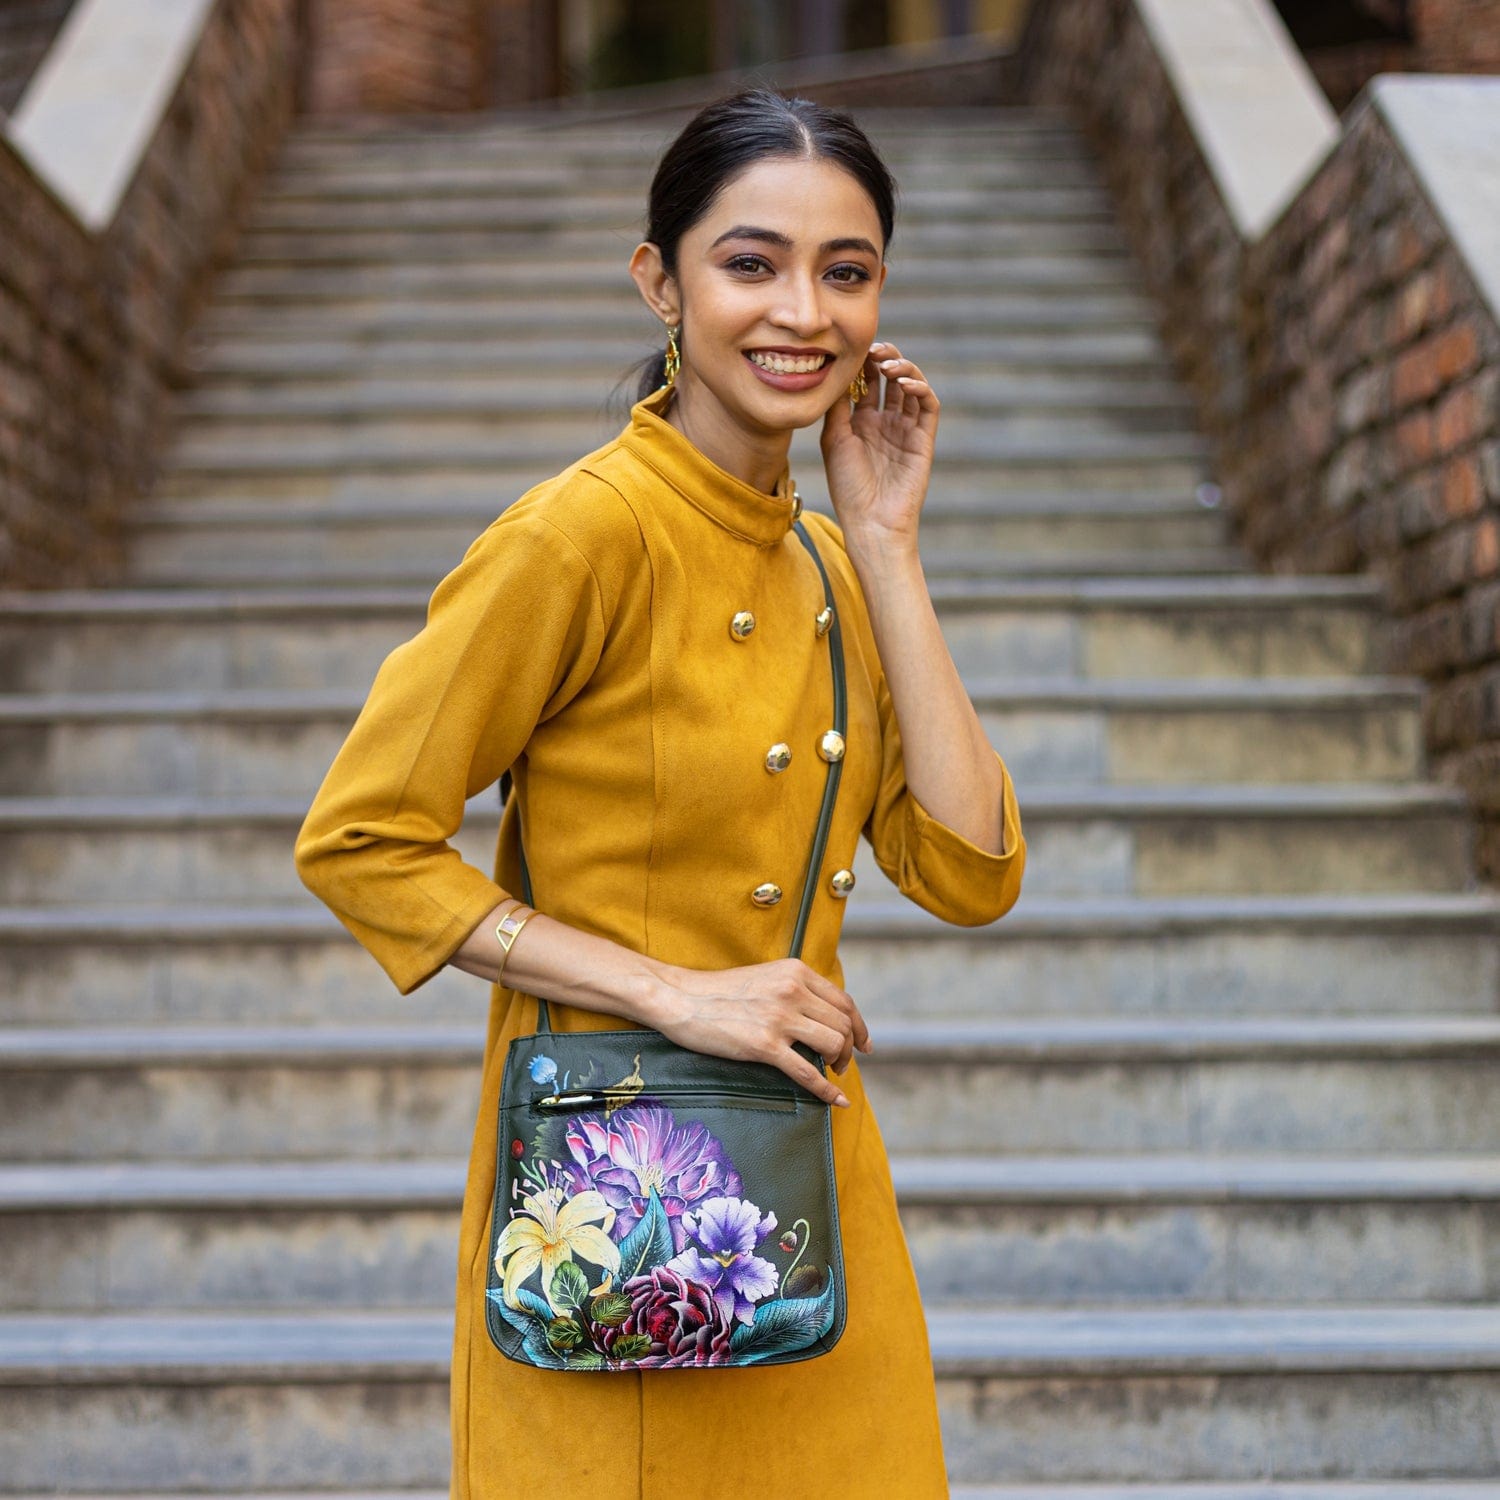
747	263
849	272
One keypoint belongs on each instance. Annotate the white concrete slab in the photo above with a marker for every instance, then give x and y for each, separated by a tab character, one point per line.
1263	123
1449	130
93	106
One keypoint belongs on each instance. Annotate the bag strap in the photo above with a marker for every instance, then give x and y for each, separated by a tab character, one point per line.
830	785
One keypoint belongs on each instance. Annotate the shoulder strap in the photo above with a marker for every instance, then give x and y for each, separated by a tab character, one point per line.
830	786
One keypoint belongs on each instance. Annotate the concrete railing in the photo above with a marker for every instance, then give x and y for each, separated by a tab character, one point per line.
1331	292
122	175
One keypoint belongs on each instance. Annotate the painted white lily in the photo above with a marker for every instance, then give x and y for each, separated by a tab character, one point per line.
551	1229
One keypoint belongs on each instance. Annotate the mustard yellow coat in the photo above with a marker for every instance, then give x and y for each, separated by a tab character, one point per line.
584	641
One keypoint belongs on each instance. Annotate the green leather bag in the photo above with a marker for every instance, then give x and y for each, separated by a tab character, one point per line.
660	1208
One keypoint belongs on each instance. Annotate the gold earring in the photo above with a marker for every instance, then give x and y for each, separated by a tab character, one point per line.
674	356
859	386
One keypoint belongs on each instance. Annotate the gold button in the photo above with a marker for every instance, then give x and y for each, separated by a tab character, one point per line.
824	619
741	624
841	882
778	757
766	895
831	746
796	502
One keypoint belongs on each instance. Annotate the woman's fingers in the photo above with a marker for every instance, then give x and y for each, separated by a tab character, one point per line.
826	989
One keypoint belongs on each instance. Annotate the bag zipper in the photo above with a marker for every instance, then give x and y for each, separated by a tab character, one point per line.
579	1099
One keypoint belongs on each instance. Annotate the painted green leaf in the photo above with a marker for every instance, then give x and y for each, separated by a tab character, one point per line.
570	1287
534	1337
611	1309
564	1333
585	1359
632	1346
783	1326
648	1245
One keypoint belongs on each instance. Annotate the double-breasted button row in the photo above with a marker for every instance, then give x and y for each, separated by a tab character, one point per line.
840	883
830	747
742	622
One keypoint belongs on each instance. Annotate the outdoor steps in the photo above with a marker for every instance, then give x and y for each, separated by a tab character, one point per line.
235	742
1209	1205
1081	840
359	1398
1359	955
133	640
1322	1085
1199	1230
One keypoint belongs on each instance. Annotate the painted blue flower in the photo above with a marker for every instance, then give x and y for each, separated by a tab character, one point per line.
729	1229
543	1069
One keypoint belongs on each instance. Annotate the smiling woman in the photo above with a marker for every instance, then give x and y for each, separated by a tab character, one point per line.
644	644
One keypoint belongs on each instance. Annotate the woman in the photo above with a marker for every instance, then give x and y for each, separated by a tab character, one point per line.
635	639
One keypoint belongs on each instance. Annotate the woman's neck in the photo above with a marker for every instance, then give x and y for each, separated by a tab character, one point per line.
757	459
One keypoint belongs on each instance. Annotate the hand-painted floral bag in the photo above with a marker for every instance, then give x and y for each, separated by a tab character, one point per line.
657	1207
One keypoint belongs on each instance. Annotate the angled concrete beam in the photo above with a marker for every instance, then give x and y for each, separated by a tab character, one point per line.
1260	118
91	110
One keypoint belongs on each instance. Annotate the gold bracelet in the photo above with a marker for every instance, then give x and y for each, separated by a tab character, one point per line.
508	928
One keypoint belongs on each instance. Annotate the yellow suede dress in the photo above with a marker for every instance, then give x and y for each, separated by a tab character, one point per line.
584	641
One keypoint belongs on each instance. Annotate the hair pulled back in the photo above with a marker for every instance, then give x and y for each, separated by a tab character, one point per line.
730	135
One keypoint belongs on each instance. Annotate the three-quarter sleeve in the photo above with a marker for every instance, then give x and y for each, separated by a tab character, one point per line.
512	634
928	861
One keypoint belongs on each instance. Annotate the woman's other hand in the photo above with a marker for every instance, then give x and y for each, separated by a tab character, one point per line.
878	454
756	1012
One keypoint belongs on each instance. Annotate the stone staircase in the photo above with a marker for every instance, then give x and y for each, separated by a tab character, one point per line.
1200	1148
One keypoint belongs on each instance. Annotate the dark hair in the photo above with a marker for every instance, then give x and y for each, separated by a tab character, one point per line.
732	134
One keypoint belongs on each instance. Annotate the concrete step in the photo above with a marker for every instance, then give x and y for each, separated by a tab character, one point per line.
287	540
1078	396
229	743
280	355
1263	1085
499	275
121	640
1050	1231
908	318
1081	841
1025	1395
1197	956
539	215
981	235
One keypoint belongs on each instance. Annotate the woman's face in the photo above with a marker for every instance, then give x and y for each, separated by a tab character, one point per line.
778	293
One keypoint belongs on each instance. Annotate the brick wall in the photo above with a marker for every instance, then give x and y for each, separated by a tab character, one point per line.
398	56
91	326
1345	369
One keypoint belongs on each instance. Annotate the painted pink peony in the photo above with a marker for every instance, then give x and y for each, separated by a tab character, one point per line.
673	1323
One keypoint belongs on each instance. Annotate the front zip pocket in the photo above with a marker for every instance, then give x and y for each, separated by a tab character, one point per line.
704	1096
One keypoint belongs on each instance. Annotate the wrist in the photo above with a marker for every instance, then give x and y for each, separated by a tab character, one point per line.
654	993
884	557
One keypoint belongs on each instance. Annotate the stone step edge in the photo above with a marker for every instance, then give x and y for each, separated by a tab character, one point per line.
1468	912
1258	591
931	1181
1080	802
1106	1039
967	1342
1268	1489
308	511
1157	695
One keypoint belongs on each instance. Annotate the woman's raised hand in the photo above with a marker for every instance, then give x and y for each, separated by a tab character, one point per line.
878	454
756	1012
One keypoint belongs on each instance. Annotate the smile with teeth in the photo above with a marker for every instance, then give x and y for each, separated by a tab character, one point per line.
788	364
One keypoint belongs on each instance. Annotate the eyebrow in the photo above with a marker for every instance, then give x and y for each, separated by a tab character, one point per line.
774	237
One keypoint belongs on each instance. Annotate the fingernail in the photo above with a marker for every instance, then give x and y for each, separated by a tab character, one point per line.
842	1102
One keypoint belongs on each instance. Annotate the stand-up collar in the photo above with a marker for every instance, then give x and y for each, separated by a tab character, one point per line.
733	504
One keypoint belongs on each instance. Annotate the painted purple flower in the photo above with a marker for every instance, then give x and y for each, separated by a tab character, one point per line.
729	1229
642	1147
673	1322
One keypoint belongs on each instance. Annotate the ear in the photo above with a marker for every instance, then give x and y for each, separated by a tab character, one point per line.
880	285
657	288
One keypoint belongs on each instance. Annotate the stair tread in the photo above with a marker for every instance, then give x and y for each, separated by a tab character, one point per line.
1061	802
1157	694
1068	1038
403	1345
1477	911
413	1184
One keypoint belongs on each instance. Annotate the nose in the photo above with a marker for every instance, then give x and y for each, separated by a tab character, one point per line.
801	308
